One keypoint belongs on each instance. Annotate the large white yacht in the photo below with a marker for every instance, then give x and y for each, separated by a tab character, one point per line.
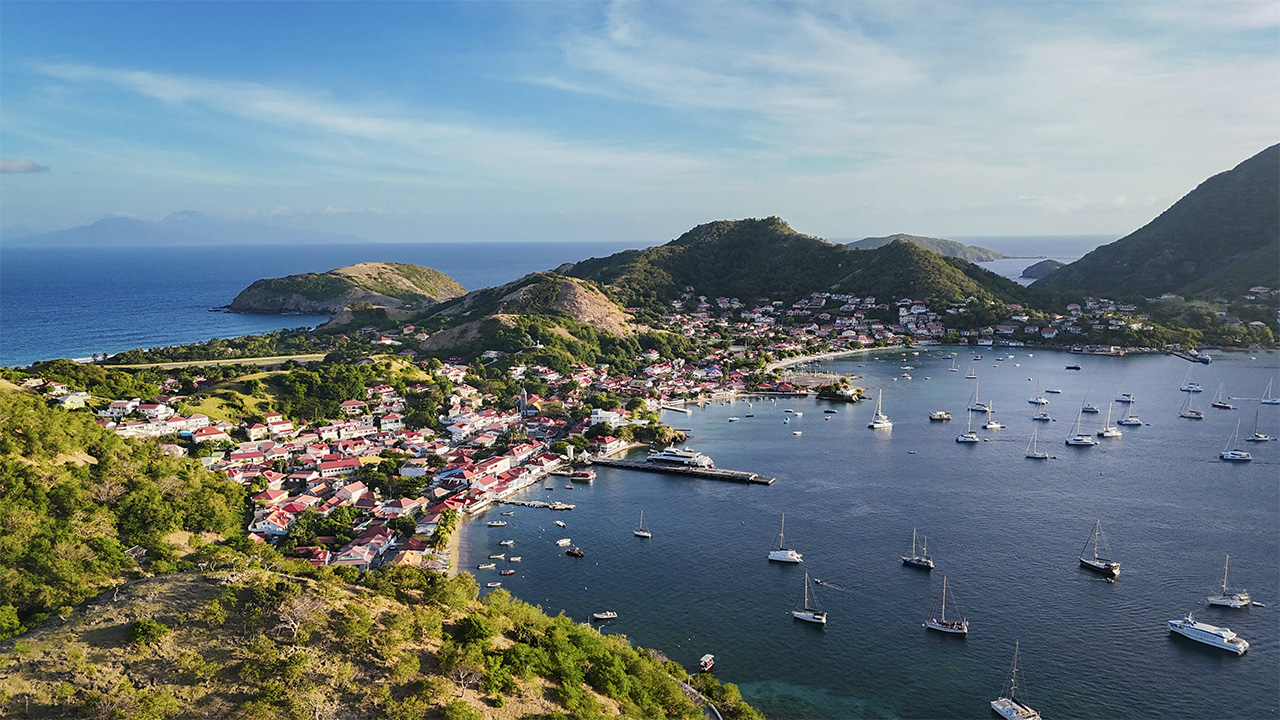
1218	637
680	456
782	553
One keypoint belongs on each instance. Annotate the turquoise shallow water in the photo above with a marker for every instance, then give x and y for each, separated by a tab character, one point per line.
1004	530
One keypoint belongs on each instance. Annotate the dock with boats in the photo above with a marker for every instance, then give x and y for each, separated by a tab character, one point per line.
709	473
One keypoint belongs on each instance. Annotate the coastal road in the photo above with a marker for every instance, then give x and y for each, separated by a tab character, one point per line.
272	360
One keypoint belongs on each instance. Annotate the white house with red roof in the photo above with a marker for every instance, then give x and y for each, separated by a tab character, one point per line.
336	468
209	433
276	522
352	491
351	408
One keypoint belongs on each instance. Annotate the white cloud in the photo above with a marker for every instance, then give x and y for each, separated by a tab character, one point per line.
20	165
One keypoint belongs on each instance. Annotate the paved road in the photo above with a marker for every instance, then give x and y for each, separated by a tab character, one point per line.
273	360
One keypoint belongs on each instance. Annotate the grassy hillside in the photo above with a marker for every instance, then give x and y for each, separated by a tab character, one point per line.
379	284
950	248
751	259
1221	238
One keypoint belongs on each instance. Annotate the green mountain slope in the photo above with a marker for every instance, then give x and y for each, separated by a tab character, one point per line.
950	248
1221	238
755	258
378	283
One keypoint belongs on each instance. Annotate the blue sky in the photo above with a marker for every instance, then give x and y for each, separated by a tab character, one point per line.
485	121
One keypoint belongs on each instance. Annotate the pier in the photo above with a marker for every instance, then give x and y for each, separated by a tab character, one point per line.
708	473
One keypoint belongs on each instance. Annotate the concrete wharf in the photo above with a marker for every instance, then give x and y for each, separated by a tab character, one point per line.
708	473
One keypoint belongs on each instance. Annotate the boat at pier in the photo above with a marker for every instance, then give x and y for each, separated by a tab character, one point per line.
1218	637
680	456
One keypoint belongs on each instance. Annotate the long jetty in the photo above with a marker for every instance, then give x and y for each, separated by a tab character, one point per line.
708	473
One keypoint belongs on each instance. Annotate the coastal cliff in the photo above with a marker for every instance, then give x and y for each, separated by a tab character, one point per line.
388	285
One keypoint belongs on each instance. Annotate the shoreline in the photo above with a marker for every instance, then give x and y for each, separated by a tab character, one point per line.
799	359
452	550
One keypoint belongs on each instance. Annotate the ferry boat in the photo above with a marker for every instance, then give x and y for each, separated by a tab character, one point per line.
1218	637
1234	600
1097	563
680	456
781	553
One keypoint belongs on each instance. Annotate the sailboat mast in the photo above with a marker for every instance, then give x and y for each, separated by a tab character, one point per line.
1224	575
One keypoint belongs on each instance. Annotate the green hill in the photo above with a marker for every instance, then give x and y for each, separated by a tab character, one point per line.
376	283
1042	268
1221	238
756	258
950	248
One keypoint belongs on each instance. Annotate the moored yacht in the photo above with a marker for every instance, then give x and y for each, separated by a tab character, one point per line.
968	436
680	456
1218	637
1081	438
1233	600
879	420
1098	563
939	415
1190	412
1010	708
993	424
1033	452
1108	430
781	553
1131	418
938	620
920	560
1219	402
1231	452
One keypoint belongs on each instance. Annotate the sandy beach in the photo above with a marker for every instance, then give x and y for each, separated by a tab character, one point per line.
452	550
799	359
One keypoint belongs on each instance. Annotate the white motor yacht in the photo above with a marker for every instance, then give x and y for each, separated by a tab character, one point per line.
1218	637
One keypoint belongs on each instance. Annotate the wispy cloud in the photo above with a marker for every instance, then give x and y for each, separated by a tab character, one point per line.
20	165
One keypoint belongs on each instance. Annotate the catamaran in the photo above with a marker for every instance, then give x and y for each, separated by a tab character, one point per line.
953	367
1233	600
976	405
993	424
968	436
1036	398
1010	708
1231	452
879	420
1088	406
1188	386
1131	418
640	531
1081	438
1098	563
1266	396
971	375
1033	452
938	621
1108	430
809	611
1218	637
781	553
921	560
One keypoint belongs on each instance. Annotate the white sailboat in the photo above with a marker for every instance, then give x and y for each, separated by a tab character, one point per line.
1257	436
953	367
1190	412
968	436
1220	402
1080	438
1231	452
1108	430
1088	406
640	531
938	620
1131	418
977	405
1188	386
993	424
781	553
879	420
1266	396
971	375
1036	398
1098	563
1009	707
1232	600
809	611
1033	452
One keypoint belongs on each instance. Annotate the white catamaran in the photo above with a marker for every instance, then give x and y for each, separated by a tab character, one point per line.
879	420
1108	430
782	553
1231	452
1080	438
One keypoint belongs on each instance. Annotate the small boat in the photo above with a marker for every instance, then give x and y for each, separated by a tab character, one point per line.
1257	436
1053	391
606	615
587	475
1108	430
953	367
968	436
1033	452
1218	637
1010	708
508	512
1219	402
1073	367
1233	600
568	486
559	523
507	572
971	375
486	566
799	414
494	584
1098	563
733	419
707	662
920	560
1042	416
1081	438
507	543
1087	406
1125	397
564	542
1131	418
938	621
498	556
640	530
515	558
829	411
1231	452
809	611
574	552
1190	412
1266	396
879	420
781	553
797	432
497	523
939	415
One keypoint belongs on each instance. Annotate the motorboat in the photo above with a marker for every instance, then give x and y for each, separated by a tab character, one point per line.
564	542
780	552
574	552
1218	637
606	615
515	558
494	584
940	415
486	566
1232	600
921	559
507	572
1098	563
497	523
507	543
706	662
498	556
559	523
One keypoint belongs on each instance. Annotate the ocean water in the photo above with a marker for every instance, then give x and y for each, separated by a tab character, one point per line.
1003	529
73	303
